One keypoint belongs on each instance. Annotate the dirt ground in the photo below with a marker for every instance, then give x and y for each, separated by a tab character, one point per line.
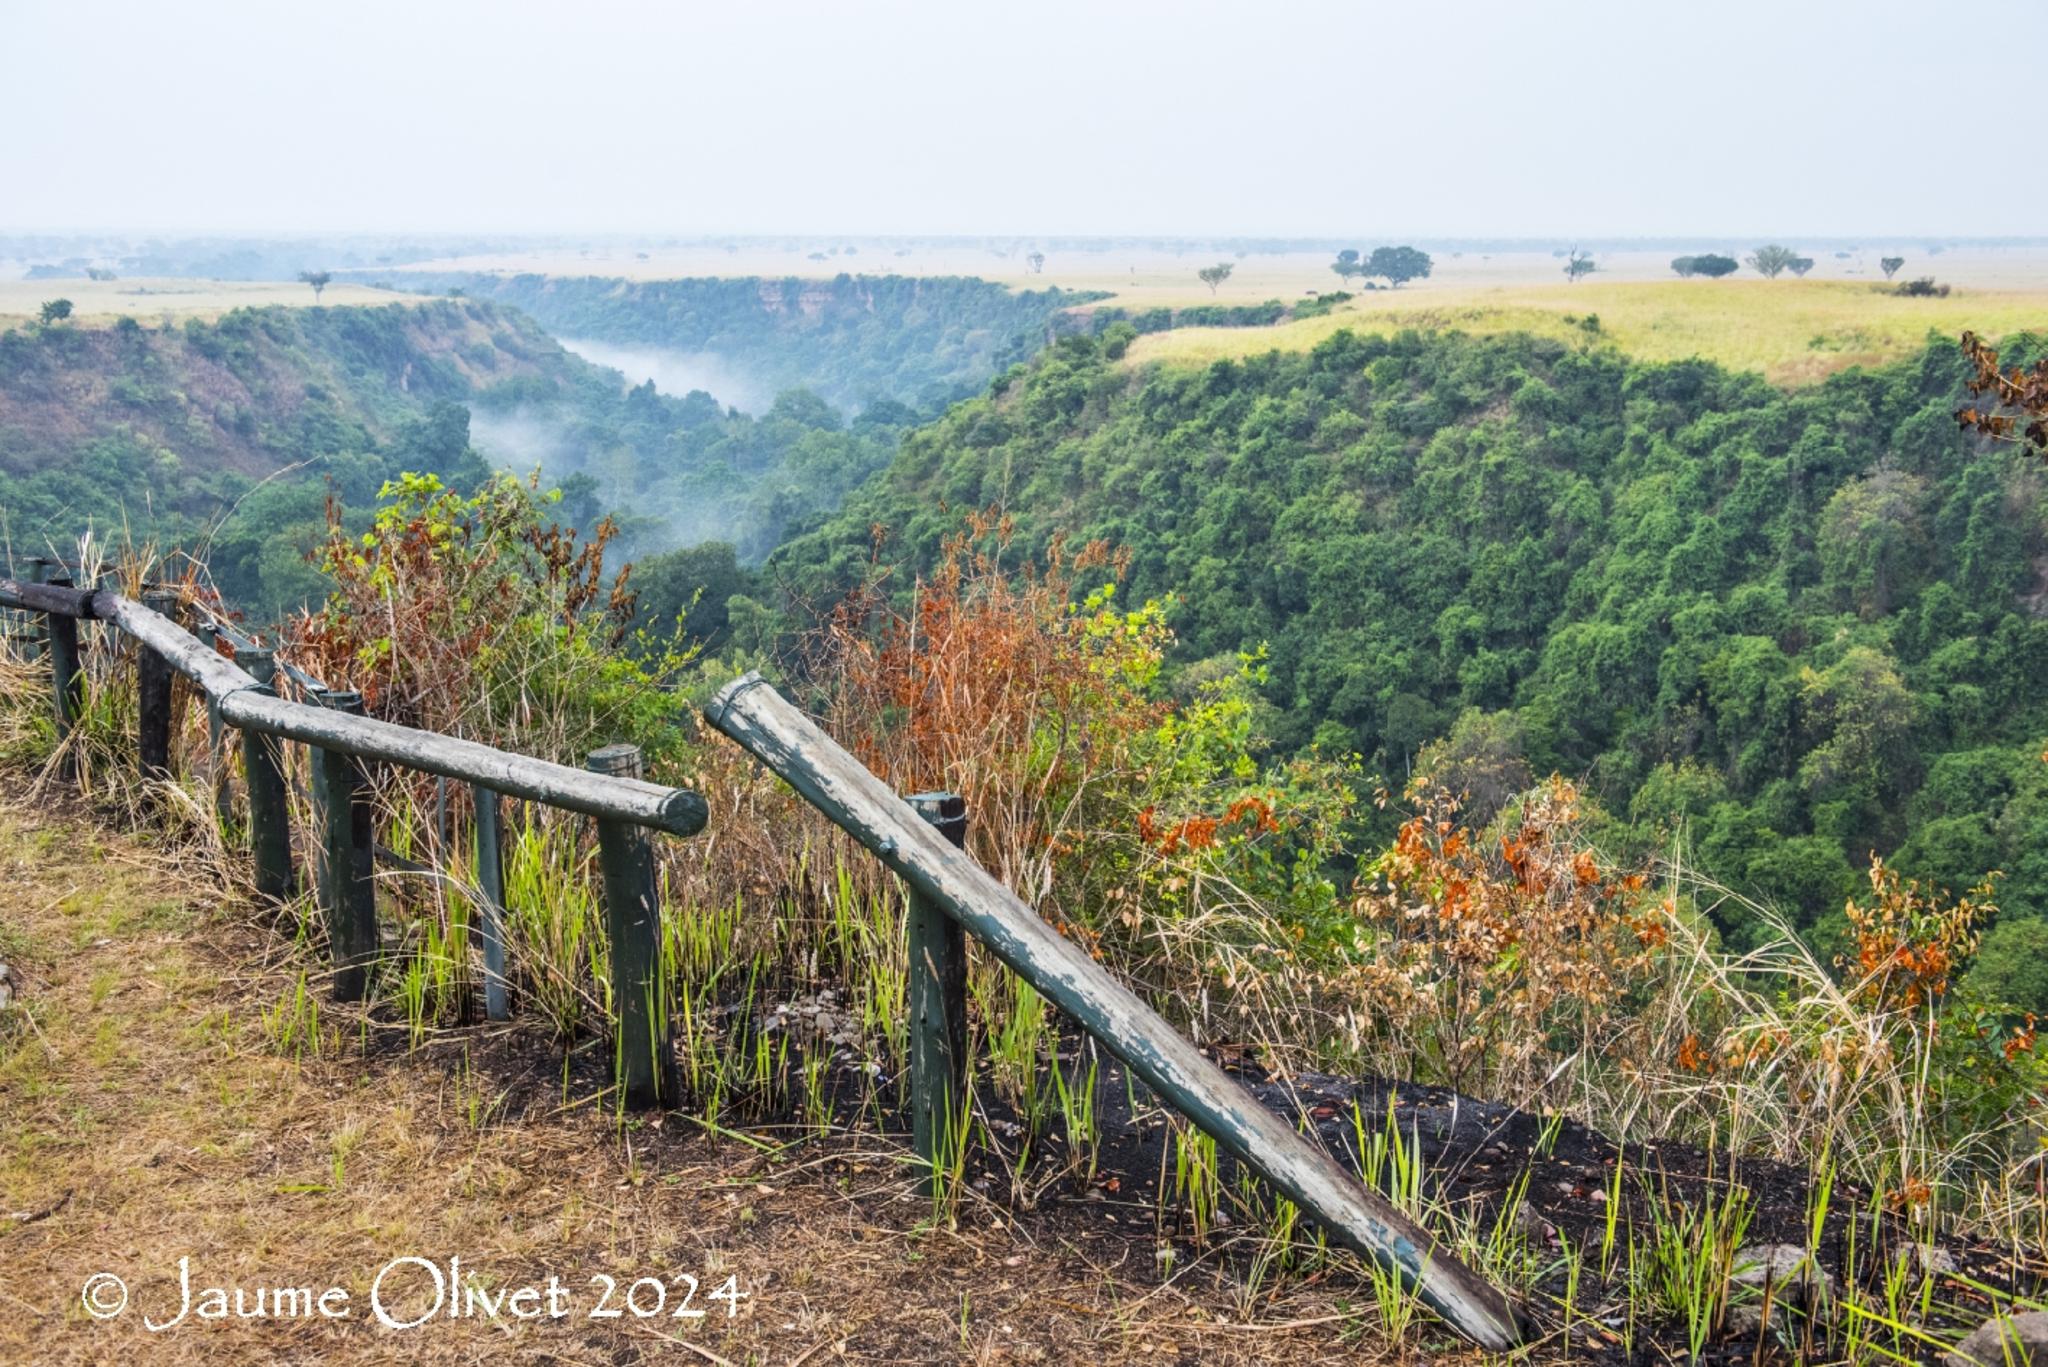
162	1133
147	1115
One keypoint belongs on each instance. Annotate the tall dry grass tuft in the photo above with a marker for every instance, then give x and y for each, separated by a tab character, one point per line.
477	617
1511	960
993	684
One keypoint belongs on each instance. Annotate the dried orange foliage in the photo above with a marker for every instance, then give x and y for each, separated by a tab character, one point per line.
450	610
995	686
1251	815
1911	941
1492	949
2025	391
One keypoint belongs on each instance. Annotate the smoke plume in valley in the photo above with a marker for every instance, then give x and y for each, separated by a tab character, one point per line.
676	373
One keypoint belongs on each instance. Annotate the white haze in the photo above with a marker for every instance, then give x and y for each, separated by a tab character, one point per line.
1326	118
523	439
536	436
676	373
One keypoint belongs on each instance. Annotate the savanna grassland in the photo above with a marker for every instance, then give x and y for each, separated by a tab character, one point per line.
98	303
1790	331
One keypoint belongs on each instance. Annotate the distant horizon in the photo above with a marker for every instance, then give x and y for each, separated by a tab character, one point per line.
1275	241
1200	119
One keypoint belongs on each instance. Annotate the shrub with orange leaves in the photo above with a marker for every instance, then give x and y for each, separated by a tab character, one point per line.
480	617
1910	941
1148	824
994	684
1491	953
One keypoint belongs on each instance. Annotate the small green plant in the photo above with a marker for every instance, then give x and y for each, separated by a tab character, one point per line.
1077	1110
1197	1179
817	1100
1015	1045
552	917
292	1025
1693	1248
1388	1160
1397	1302
947	1167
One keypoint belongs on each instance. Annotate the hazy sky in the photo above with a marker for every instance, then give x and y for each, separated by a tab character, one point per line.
1506	117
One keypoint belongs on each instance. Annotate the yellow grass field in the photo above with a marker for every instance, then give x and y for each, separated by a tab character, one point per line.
102	301
1793	331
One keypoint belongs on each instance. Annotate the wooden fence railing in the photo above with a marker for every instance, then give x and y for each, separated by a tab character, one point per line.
918	838
342	742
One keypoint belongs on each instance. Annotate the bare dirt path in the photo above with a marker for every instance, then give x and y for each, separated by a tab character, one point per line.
152	1109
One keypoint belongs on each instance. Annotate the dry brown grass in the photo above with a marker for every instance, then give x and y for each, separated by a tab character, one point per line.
1791	331
145	1116
98	302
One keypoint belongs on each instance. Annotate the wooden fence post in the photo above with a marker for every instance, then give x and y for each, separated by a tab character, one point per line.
348	883
216	763
270	822
646	1041
30	637
67	681
490	875
938	1005
153	695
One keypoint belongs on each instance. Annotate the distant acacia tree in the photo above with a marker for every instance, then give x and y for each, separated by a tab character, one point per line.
1212	276
1707	264
1036	261
1398	265
1770	262
1890	265
1346	265
1577	264
56	310
1799	265
318	280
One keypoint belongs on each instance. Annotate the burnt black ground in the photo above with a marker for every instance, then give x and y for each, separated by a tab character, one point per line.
1477	1156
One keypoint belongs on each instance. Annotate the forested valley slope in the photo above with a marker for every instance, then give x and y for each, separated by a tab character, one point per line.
1777	631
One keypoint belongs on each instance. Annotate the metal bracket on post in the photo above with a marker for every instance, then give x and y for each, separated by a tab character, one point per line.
938	1004
270	828
490	877
646	1040
153	695
348	883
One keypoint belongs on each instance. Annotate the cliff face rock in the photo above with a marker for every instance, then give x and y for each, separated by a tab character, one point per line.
242	394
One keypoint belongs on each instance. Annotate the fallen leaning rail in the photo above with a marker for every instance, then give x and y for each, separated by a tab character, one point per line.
910	843
626	807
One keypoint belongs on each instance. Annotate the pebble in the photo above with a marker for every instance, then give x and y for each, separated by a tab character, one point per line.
2018	1341
1791	1274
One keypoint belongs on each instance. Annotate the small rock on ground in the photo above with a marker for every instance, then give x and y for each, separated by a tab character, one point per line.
1787	1269
2019	1341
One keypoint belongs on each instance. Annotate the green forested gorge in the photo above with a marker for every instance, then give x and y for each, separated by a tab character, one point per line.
227	437
853	340
1775	632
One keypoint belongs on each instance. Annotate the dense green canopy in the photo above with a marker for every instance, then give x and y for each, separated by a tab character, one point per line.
1796	627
